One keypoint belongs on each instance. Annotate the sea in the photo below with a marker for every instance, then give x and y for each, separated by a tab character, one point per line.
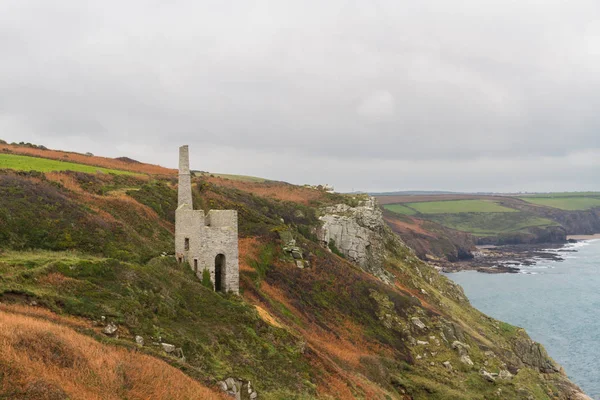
557	302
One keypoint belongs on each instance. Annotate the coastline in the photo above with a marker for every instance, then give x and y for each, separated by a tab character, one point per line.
493	259
560	340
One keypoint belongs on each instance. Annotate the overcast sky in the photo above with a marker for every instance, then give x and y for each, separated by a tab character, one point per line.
489	95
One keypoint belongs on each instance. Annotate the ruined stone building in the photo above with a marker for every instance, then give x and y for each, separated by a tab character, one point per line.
205	241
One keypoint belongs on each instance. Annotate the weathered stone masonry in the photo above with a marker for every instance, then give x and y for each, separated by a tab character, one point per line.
206	241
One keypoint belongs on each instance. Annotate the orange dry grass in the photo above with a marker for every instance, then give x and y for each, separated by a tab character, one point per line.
248	249
56	279
416	294
43	360
66	180
273	190
42	313
267	317
402	226
346	344
89	160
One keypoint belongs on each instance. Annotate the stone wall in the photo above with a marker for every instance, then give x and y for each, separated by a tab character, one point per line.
207	236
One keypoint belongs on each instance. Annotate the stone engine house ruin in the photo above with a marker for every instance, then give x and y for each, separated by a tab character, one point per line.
206	241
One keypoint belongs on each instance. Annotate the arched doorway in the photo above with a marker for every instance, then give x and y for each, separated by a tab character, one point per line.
220	273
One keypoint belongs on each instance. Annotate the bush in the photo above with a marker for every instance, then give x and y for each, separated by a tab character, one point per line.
334	248
206	282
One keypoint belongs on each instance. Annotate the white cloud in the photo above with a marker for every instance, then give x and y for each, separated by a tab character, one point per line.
377	105
379	95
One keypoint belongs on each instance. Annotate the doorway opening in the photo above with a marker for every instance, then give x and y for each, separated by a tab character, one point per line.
220	273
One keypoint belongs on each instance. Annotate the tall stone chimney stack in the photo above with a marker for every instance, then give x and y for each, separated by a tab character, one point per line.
185	181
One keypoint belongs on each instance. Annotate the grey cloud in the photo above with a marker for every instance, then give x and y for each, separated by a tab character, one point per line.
391	88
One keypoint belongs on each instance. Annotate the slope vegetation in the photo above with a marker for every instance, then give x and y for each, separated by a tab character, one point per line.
96	247
44	357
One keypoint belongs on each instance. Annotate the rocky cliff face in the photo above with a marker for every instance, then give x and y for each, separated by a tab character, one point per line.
444	338
430	240
358	233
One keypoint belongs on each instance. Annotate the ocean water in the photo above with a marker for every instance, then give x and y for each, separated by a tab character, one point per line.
557	302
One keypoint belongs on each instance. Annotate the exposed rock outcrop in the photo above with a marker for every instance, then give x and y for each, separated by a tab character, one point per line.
358	233
533	354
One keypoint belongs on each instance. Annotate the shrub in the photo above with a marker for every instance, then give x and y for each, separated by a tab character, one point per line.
334	248
206	282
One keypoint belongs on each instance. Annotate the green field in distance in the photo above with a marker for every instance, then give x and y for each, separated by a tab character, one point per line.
400	209
26	163
458	206
564	202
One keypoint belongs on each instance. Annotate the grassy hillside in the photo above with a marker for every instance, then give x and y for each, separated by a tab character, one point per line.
504	219
26	163
489	224
400	209
123	164
480	217
242	178
44	356
458	206
565	202
90	246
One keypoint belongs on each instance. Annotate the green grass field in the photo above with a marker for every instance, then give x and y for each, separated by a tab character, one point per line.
565	203
400	209
242	178
563	194
490	224
25	163
458	206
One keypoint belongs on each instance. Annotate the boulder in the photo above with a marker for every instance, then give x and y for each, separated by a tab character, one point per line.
487	376
465	359
168	348
230	382
447	365
505	374
110	329
418	323
461	348
139	340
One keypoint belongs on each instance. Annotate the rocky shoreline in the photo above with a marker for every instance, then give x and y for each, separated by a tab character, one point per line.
507	258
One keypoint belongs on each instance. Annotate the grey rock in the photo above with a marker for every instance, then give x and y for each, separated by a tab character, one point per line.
230	382
253	395
505	374
222	385
139	340
168	348
297	253
110	329
534	355
465	359
422	343
418	323
487	376
359	233
447	365
461	348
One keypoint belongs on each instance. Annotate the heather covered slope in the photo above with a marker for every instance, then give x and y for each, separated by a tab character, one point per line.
332	330
45	357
